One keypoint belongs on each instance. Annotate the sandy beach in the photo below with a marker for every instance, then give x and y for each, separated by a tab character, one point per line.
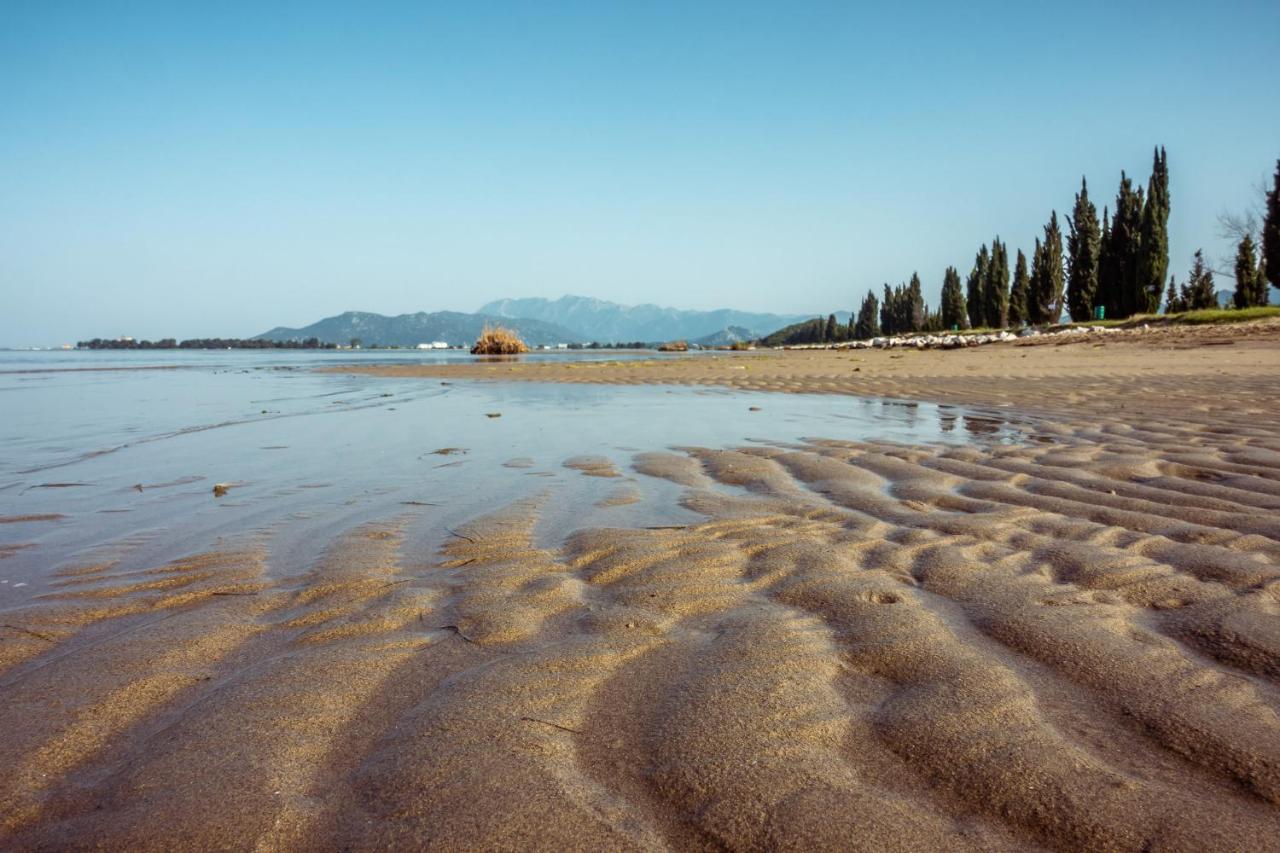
1067	641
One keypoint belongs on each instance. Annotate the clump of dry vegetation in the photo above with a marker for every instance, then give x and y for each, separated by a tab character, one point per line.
674	346
498	340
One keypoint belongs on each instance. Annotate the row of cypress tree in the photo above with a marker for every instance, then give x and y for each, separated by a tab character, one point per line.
1118	264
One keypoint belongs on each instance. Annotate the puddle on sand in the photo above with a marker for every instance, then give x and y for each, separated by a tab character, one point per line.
309	469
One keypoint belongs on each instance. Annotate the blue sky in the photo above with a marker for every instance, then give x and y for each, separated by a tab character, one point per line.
167	170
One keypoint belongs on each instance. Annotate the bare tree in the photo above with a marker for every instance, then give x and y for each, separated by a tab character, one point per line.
1234	225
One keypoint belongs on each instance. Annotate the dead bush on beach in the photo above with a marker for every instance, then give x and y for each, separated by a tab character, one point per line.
498	340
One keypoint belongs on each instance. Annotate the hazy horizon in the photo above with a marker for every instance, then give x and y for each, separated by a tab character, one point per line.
218	172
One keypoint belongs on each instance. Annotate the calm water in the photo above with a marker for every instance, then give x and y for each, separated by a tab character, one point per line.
129	455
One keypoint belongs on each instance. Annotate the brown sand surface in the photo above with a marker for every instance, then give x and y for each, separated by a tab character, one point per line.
1071	642
1174	370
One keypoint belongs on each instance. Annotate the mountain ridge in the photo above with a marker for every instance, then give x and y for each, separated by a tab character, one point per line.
605	321
409	330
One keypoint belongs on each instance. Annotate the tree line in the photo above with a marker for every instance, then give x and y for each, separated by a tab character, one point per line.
203	343
1115	267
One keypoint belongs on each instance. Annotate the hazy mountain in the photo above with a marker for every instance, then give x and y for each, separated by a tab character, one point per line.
598	320
795	333
725	337
409	330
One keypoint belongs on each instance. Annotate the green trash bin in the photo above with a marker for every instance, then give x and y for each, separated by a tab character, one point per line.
1100	312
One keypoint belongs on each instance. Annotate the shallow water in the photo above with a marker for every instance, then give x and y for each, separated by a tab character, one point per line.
129	457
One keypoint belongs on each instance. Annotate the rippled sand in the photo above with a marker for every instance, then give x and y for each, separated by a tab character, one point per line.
1072	642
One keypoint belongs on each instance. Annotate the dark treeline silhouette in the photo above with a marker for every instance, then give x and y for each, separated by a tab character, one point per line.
204	343
613	345
813	331
1115	268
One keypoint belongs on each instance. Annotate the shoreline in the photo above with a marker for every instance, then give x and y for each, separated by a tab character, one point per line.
1081	373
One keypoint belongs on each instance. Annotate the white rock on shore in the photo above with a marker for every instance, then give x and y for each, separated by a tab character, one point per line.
958	341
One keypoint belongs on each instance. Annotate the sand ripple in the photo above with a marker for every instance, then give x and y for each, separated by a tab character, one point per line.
1070	644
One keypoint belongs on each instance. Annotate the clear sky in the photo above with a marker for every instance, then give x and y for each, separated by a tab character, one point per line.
173	170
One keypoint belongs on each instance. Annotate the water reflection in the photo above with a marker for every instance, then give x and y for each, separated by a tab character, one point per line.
157	441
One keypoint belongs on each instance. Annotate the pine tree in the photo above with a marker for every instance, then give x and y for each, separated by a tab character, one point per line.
1173	303
953	309
886	312
995	287
1046	297
1246	272
830	332
1152	262
1271	232
868	325
1200	290
1018	295
916	306
1082	255
973	287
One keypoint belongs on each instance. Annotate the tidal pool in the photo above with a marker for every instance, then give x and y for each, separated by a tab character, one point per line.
115	458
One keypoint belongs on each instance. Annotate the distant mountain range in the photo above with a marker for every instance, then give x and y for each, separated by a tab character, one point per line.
567	320
408	330
599	320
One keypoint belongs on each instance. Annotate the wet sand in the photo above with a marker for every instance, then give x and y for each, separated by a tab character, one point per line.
1068	642
1165	371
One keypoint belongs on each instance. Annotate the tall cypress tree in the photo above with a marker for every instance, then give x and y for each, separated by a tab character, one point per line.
1125	252
1035	284
977	278
1083	243
887	326
915	304
1047	295
830	333
1019	293
868	325
1108	270
1153	243
1246	293
1271	232
995	288
954	312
